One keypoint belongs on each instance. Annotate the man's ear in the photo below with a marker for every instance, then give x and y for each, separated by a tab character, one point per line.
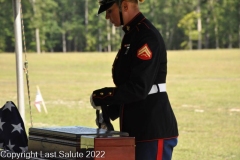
124	6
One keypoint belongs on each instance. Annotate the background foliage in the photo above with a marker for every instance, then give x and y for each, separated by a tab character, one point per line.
73	25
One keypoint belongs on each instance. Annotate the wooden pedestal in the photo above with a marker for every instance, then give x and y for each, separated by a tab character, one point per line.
83	143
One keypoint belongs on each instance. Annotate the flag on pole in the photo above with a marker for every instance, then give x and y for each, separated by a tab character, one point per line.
39	101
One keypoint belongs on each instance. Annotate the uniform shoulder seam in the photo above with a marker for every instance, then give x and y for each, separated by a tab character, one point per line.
142	22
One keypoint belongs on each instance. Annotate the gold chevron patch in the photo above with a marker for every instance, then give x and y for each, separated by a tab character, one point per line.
144	52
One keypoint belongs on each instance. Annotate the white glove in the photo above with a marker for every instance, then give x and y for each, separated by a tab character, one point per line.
101	122
93	105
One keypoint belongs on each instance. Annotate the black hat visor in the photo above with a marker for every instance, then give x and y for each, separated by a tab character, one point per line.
104	7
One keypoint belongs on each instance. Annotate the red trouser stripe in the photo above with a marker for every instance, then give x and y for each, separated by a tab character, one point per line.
160	149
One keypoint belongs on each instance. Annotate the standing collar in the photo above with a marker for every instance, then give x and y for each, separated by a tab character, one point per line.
130	25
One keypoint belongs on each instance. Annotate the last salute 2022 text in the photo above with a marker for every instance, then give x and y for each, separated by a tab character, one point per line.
70	154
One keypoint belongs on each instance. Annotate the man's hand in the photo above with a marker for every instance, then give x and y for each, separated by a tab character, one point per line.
93	105
100	121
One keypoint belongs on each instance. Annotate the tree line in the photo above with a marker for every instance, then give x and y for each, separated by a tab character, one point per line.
73	25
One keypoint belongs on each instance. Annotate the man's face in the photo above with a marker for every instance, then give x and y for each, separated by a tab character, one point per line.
113	15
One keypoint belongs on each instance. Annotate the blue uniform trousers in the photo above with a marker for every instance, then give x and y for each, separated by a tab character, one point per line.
160	149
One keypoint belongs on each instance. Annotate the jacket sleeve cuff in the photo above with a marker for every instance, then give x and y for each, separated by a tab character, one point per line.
103	96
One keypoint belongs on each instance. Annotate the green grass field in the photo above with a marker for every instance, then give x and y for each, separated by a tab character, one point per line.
203	86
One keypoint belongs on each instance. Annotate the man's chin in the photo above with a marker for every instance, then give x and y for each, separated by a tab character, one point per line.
116	25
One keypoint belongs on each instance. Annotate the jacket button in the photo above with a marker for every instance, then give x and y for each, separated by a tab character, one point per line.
110	93
101	94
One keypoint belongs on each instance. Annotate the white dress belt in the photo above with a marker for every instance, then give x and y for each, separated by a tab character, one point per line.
158	88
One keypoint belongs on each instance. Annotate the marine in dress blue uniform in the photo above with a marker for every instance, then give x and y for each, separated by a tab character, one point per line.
139	98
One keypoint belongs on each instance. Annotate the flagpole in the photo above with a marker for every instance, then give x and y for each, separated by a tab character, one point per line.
18	50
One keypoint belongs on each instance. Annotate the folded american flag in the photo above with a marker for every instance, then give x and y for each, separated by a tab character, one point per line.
13	136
